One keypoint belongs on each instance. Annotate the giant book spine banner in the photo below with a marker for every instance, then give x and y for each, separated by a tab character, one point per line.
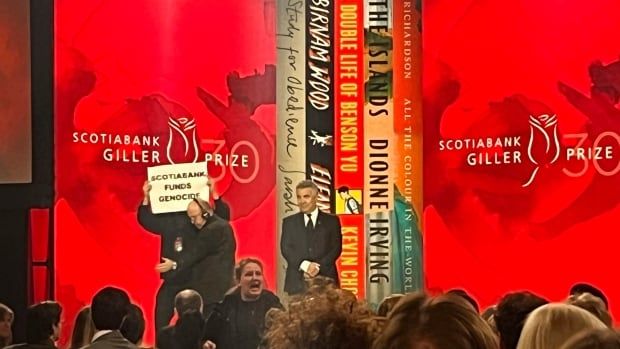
406	232
319	52
291	113
348	142
379	145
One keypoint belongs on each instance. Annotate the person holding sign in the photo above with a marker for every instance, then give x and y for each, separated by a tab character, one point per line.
311	241
177	235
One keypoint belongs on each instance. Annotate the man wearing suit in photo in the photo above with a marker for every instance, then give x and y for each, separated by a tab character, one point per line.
311	241
108	309
177	235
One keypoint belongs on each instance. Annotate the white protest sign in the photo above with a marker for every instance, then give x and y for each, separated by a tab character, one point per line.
174	186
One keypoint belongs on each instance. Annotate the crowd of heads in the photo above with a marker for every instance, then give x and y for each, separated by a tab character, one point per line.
326	316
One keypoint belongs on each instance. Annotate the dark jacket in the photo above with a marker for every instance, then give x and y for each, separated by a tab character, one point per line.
236	324
187	333
177	235
211	259
323	246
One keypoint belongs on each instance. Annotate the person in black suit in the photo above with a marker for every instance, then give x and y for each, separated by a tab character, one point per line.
177	234
311	241
108	309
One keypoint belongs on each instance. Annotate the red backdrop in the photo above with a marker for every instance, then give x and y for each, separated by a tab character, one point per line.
488	67
125	67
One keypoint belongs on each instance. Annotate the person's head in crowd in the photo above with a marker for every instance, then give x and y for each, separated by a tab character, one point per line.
583	287
198	211
307	193
189	330
187	300
6	321
249	276
594	339
83	329
388	303
320	320
132	327
550	325
593	304
446	321
510	315
43	322
462	293
109	307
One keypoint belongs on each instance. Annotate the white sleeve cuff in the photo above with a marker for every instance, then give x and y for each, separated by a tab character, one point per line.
304	266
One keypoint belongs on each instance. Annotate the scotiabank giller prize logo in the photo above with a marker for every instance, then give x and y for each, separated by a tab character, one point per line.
544	149
182	136
544	130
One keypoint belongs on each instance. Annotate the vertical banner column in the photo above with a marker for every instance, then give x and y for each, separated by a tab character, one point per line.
348	142
291	113
379	145
320	99
406	232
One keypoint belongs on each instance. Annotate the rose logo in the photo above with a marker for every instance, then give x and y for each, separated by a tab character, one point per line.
546	149
182	143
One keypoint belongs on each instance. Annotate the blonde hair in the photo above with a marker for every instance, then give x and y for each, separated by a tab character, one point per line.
550	325
83	329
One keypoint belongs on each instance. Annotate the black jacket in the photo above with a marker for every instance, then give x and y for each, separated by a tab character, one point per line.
236	324
211	259
322	246
176	232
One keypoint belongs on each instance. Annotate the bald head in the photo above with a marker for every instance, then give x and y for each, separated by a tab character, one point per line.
187	300
197	210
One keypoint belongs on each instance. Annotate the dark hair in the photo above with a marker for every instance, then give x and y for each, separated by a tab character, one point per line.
584	287
445	321
594	339
83	329
462	293
188	330
132	327
40	319
187	300
4	311
343	189
388	303
512	310
242	263
109	307
306	183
